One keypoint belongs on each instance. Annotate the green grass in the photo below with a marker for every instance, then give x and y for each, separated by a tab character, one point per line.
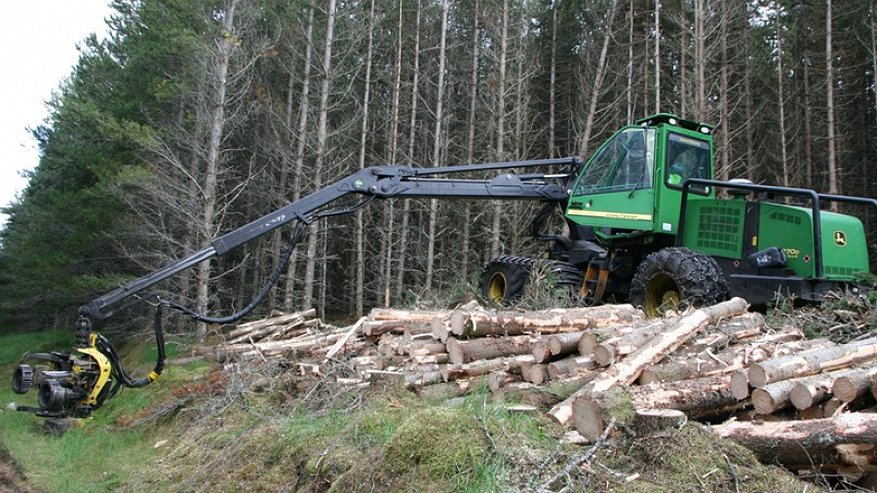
97	457
13	346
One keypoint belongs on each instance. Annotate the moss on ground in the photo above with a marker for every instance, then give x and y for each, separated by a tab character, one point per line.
687	460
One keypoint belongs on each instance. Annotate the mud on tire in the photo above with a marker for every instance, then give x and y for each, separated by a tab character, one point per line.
675	278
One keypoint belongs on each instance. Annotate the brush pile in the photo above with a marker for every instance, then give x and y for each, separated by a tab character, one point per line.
785	397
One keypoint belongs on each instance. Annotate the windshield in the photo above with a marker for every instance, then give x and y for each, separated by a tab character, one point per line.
624	163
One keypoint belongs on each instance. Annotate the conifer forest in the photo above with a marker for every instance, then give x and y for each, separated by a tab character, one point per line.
195	117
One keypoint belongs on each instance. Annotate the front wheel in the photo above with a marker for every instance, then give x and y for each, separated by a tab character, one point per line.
677	278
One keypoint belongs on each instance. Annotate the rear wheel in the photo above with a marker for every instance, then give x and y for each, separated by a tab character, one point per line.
677	278
504	278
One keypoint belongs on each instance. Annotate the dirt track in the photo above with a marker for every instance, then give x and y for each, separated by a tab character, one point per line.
11	477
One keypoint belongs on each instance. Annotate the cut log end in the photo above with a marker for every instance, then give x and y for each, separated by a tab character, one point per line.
587	416
803	396
739	385
649	421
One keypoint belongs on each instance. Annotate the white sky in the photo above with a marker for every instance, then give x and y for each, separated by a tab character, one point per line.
38	51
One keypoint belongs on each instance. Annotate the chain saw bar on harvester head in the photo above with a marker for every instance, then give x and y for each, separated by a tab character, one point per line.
74	384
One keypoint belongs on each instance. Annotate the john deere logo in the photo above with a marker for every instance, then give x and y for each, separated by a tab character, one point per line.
840	238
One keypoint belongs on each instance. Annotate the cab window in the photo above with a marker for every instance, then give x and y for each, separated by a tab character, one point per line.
686	158
624	163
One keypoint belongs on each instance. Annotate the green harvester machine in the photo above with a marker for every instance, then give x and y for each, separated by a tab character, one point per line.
649	224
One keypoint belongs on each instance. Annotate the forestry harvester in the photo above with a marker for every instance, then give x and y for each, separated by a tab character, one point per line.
647	223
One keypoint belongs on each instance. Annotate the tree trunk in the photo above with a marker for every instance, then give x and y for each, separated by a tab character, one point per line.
363	136
208	218
596	89
561	344
387	239
510	364
321	150
853	384
724	166
470	143
700	58
657	57
570	366
412	134
496	242
833	170
301	138
781	75
436	148
552	83
695	398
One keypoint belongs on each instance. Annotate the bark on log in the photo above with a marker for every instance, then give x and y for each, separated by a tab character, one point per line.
284	319
570	366
733	359
561	344
773	397
420	379
497	380
464	351
848	439
607	352
422	316
482	323
482	367
442	358
811	362
425	348
591	338
628	371
696	398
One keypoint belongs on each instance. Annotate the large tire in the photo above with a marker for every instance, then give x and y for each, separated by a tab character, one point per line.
504	278
677	278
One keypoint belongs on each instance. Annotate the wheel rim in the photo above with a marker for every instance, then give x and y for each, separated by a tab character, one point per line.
497	287
662	295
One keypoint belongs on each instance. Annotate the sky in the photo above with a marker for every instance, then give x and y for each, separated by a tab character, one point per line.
38	52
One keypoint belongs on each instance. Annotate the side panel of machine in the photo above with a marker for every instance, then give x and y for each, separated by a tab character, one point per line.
844	247
715	227
790	229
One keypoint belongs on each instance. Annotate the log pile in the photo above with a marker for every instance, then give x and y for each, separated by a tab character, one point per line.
595	365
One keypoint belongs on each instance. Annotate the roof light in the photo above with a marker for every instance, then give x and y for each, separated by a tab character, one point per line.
705	130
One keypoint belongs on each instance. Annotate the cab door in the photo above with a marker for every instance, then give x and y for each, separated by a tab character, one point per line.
616	188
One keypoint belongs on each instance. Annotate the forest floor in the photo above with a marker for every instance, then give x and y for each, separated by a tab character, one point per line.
265	426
